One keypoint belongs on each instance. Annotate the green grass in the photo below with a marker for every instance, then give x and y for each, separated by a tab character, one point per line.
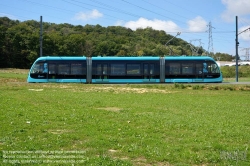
240	79
171	124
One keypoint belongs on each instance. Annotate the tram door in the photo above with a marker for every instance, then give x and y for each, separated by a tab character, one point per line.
199	72
52	72
148	72
102	72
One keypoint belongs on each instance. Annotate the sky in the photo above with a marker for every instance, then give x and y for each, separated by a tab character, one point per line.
194	19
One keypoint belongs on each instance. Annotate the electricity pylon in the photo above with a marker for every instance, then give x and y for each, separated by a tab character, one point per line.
247	53
210	39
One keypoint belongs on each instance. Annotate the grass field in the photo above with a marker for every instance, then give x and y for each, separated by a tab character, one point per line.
83	124
240	79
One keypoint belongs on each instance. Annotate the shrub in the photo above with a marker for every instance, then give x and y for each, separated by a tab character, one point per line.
197	87
229	71
179	86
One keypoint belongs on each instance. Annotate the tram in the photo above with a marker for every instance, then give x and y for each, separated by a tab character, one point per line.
169	69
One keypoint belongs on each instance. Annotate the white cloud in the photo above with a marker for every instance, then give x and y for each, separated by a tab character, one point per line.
8	15
198	24
245	33
235	8
167	26
84	16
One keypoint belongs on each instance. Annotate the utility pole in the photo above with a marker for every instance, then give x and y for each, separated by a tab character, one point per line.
210	39
41	36
236	48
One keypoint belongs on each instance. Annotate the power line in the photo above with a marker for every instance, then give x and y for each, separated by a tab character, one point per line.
43	5
244	21
182	8
194	48
164	9
150	11
110	8
115	9
244	31
28	11
170	49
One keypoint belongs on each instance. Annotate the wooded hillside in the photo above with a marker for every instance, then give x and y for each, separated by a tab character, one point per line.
19	42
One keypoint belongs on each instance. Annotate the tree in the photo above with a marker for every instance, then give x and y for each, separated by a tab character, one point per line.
88	48
223	57
75	43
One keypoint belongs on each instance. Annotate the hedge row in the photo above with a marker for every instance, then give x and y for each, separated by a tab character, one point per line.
230	71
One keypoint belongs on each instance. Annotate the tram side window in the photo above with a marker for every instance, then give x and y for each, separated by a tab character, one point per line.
187	68
102	69
133	69
213	68
52	68
152	69
39	68
99	69
199	68
174	68
145	69
205	68
63	69
105	69
76	69
117	69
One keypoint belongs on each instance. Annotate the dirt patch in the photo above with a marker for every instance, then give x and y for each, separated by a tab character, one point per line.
112	109
142	161
13	70
37	90
127	90
112	150
65	86
60	131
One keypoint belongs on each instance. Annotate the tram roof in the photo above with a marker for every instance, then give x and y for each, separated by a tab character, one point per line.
125	58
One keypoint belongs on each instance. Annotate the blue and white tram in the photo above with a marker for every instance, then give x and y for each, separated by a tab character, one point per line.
125	69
